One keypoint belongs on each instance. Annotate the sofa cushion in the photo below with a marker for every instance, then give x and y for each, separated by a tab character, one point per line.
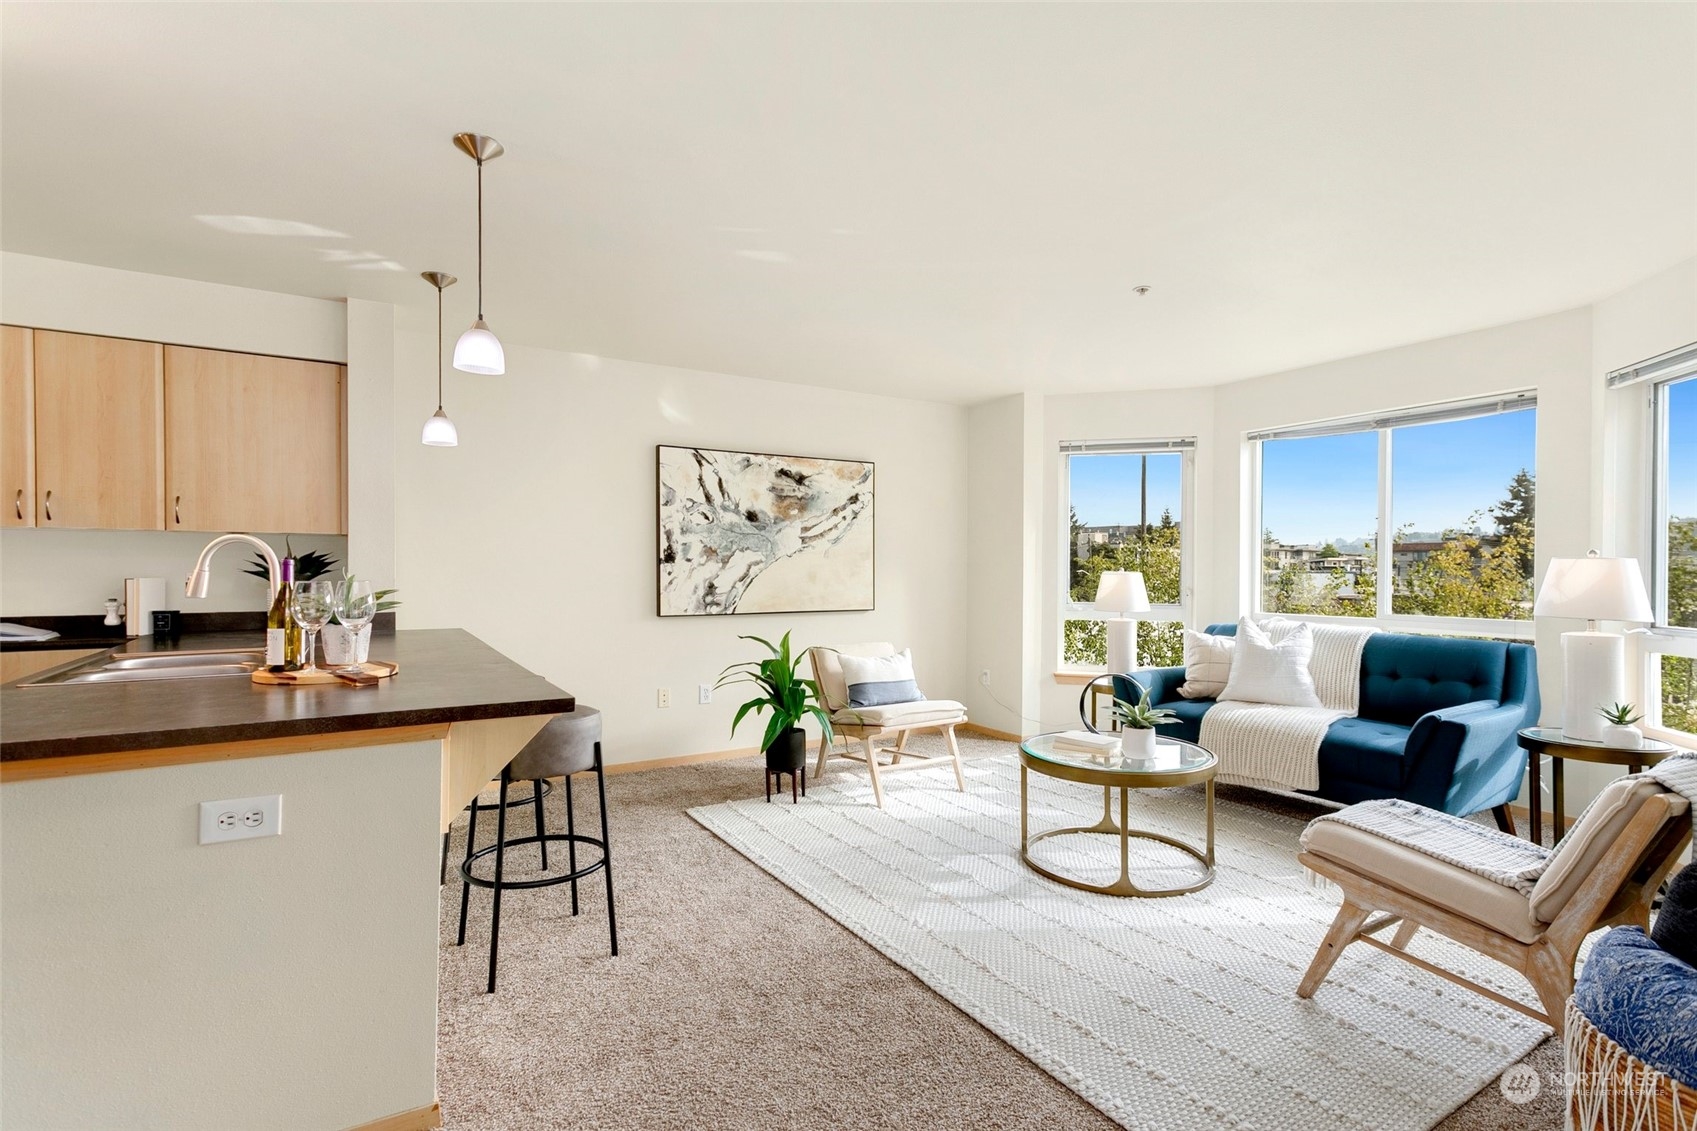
1403	677
1644	1000
1265	672
1189	712
1463	892
1366	750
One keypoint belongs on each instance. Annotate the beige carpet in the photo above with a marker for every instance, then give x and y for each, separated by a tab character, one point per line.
736	1004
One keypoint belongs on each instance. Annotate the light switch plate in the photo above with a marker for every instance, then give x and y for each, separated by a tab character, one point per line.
241	818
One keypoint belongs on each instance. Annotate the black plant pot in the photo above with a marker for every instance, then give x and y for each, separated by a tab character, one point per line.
788	752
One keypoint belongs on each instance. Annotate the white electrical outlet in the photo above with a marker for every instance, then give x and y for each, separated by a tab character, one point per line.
663	697
241	818
984	677
704	693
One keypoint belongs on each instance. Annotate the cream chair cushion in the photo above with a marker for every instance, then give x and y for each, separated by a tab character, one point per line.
1430	879
1590	840
828	669
925	712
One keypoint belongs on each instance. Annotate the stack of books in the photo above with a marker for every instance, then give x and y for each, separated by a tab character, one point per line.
1084	742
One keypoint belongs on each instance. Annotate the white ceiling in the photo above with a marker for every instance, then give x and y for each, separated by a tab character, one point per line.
949	201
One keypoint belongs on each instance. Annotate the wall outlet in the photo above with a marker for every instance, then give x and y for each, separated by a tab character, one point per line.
704	693
984	677
663	697
241	818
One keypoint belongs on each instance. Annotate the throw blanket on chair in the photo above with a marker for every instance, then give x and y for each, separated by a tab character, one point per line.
1279	747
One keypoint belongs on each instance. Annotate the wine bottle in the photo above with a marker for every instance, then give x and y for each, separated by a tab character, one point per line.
282	634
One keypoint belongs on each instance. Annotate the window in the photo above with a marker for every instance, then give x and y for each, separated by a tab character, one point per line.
1424	514
1126	509
1671	645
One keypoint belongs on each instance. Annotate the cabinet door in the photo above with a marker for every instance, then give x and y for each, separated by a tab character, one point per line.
99	432
253	443
17	426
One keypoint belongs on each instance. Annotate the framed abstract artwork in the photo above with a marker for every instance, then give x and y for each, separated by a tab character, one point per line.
748	532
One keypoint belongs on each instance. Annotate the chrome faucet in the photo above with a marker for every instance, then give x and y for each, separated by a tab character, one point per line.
201	575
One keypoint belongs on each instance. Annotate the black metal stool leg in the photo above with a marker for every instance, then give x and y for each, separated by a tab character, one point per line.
444	880
606	852
500	860
541	825
571	845
465	887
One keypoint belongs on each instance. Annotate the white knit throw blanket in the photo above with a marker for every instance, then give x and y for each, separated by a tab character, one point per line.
1272	747
1499	857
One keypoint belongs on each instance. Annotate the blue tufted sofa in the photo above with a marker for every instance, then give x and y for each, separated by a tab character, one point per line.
1436	726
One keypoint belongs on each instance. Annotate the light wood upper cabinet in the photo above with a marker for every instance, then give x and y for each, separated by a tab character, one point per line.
253	443
17	426
99	432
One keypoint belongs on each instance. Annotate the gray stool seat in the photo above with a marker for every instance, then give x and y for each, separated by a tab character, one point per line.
567	744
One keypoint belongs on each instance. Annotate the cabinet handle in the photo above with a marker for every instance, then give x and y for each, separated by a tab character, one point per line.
47	505
177	510
18	503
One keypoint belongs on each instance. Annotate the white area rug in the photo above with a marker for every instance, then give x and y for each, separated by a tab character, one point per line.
1164	1013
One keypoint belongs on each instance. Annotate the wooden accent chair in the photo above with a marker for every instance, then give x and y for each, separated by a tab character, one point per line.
1604	873
869	725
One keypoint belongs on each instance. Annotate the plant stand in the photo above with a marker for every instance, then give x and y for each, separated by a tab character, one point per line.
800	773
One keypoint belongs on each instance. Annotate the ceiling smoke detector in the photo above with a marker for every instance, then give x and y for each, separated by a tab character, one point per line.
1141	289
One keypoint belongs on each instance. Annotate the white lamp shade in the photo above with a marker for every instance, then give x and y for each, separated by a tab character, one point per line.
1121	591
1594	589
439	431
479	351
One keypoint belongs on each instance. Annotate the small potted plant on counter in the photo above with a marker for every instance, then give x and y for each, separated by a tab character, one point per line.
1139	721
1621	731
347	638
790	698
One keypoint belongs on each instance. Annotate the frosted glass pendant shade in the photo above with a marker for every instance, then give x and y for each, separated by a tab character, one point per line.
439	431
479	351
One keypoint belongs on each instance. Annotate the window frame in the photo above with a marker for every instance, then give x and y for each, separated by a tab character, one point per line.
1185	448
1384	423
1657	375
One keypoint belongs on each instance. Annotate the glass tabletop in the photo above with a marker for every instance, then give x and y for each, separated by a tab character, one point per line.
1172	755
1552	736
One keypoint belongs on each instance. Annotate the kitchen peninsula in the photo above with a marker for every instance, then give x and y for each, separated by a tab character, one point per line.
287	981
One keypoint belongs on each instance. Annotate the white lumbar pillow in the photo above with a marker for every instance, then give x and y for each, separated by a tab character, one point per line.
877	681
1207	664
1264	672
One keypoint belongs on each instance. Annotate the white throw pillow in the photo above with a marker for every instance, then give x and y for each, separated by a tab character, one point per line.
1264	672
876	681
1207	664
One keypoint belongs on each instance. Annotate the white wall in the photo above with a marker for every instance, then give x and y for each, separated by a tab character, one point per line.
151	981
537	533
62	572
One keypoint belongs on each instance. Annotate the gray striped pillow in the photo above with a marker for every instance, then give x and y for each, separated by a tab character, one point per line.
875	681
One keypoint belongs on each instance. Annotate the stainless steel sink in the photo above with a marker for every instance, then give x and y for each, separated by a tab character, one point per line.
166	665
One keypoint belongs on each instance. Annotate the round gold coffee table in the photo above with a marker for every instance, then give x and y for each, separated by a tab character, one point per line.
1177	762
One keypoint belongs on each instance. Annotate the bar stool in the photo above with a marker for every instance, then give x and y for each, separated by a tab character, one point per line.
542	789
569	744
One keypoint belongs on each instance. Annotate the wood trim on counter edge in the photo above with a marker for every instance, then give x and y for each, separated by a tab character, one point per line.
35	769
418	1119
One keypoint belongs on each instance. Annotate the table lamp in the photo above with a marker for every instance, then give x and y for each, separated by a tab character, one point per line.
1119	592
1593	663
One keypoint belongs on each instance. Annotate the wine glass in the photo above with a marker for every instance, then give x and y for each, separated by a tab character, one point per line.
356	605
312	603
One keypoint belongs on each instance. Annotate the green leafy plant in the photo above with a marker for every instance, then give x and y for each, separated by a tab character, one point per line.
308	566
1620	714
342	588
1140	715
789	697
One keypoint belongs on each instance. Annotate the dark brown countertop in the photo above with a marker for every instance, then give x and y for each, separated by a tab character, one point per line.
446	675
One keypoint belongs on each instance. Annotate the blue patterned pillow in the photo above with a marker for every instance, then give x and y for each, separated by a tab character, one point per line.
1644	1000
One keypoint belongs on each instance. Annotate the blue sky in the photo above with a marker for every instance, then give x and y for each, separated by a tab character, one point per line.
1682	449
1326	487
1105	489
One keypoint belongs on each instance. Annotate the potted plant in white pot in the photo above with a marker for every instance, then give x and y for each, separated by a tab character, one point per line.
1621	731
347	638
1138	722
790	698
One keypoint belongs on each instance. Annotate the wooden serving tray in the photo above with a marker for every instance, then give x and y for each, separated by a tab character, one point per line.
374	670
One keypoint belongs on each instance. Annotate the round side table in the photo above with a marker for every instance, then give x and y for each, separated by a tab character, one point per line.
1550	740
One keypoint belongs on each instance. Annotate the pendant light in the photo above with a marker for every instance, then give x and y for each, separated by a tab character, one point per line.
479	350
439	431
